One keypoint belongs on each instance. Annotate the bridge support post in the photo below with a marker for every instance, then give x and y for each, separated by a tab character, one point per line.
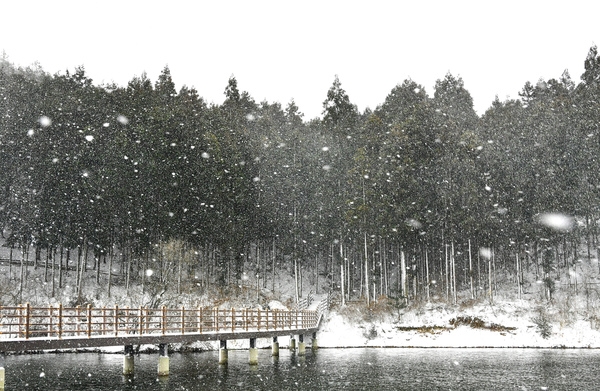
223	352
275	347
292	343
301	345
128	360
2	372
253	360
315	345
163	359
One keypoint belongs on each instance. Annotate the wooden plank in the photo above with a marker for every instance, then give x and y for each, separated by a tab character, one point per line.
38	344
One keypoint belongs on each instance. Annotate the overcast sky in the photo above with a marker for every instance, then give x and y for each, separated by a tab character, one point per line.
284	49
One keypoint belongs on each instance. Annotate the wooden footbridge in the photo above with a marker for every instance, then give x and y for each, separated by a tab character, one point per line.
27	328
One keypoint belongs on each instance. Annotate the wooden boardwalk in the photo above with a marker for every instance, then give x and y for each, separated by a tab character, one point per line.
27	328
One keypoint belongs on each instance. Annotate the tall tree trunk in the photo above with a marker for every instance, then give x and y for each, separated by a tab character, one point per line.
427	273
447	276
296	278
53	258
81	262
180	269
317	273
385	270
67	261
301	279
380	268
77	266
471	271
22	277
588	239
60	267
10	262
110	266
273	271
127	255
36	258
342	283
453	260
519	286
367	271
490	284
97	263
403	276
45	263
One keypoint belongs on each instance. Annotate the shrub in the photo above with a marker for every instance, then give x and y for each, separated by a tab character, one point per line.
544	328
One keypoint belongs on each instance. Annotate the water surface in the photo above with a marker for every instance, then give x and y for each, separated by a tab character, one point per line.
326	369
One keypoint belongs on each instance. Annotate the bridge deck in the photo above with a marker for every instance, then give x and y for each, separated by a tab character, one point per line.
25	328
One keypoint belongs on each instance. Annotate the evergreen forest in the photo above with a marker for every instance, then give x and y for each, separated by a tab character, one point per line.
144	184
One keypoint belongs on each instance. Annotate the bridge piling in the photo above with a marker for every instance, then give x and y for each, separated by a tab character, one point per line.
1	378
2	372
253	360
128	361
163	359
223	352
275	348
301	345
315	345
292	346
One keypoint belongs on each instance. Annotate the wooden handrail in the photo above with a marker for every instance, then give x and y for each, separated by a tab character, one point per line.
25	321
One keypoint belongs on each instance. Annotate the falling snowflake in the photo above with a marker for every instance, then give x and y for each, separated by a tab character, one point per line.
122	120
45	121
556	221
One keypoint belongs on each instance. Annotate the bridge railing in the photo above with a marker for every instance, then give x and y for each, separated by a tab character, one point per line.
25	321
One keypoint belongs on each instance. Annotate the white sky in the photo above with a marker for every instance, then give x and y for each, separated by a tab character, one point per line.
284	49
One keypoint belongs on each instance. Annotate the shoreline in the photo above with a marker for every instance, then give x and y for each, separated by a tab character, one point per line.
199	351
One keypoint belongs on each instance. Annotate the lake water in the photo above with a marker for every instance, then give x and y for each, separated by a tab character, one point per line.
326	369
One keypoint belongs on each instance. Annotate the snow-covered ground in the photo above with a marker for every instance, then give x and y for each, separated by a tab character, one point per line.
433	328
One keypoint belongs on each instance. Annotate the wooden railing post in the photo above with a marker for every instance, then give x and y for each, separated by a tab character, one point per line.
267	319
103	320
182	320
27	319
89	320
60	320
246	320
200	320
127	319
20	310
141	320
50	316
258	320
116	316
77	320
164	320
216	318
232	320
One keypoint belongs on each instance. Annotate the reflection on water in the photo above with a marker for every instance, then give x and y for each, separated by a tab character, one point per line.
327	369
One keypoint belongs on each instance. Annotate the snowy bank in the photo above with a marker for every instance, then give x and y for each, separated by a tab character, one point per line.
506	325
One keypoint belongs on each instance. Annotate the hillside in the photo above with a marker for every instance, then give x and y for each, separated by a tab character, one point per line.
571	318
